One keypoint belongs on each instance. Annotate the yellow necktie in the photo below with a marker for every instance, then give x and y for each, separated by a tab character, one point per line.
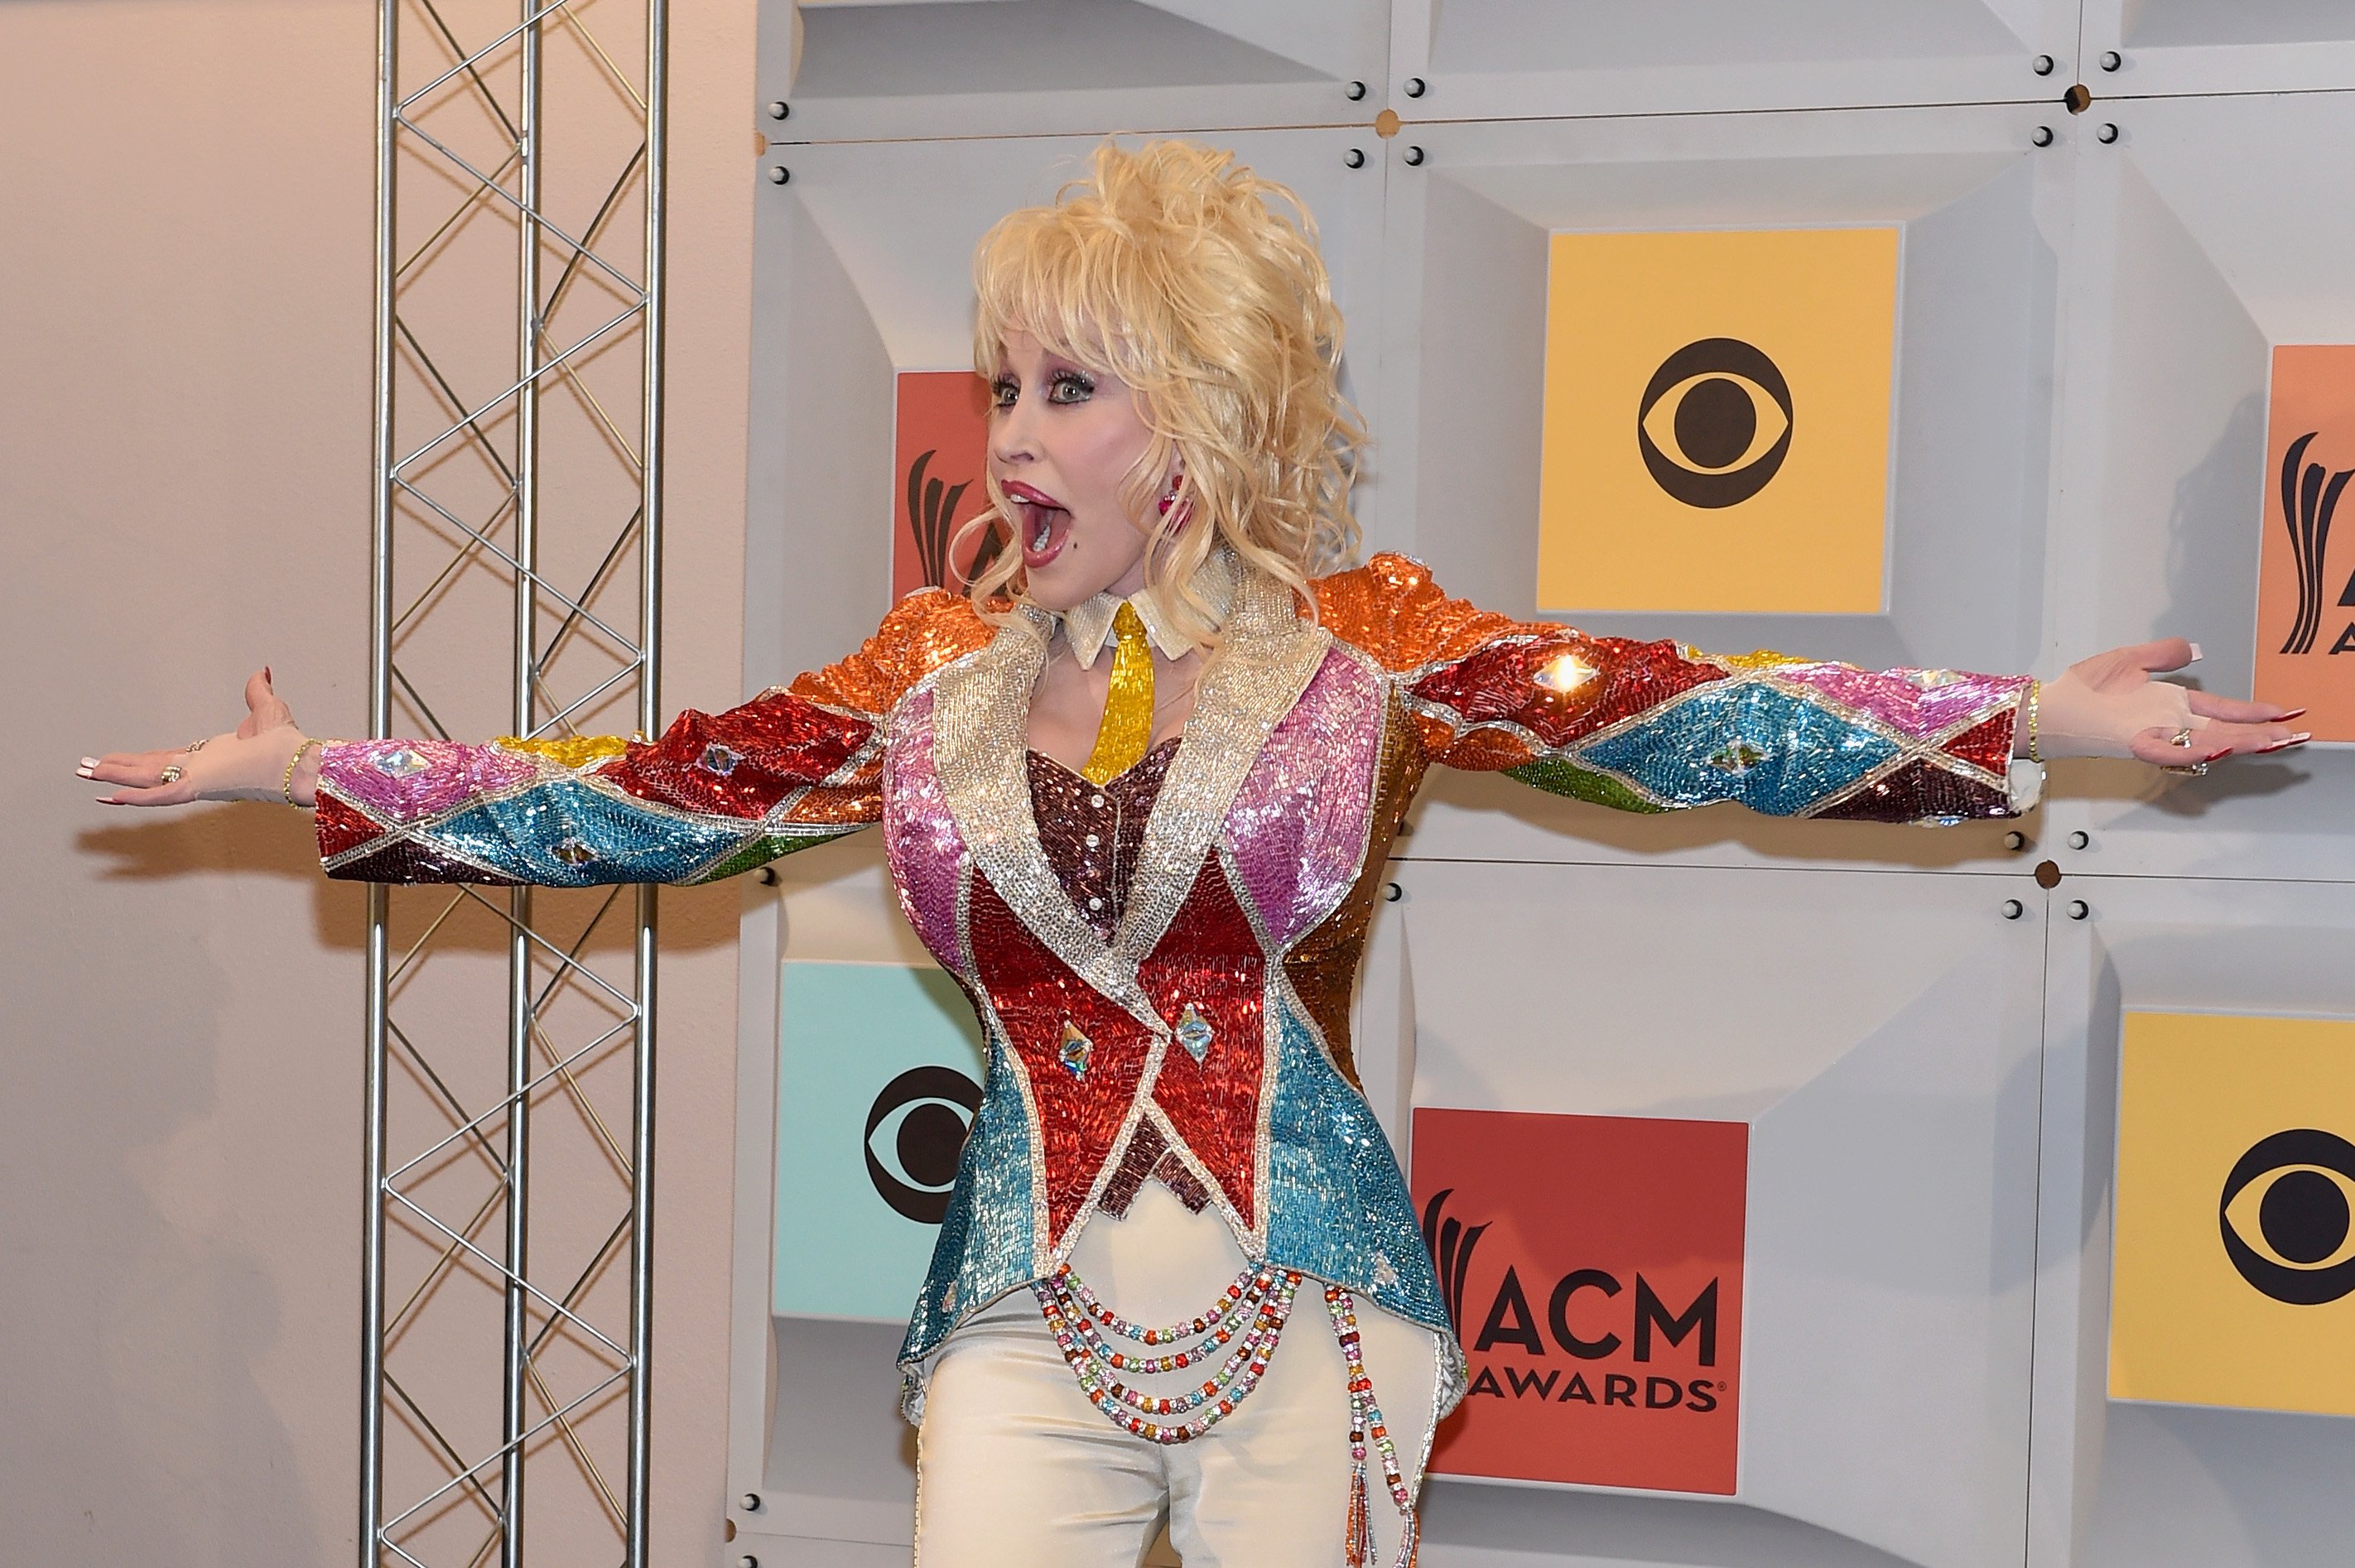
1126	732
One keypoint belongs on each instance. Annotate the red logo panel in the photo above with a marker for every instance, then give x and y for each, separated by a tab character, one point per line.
2306	572
940	449
1593	1268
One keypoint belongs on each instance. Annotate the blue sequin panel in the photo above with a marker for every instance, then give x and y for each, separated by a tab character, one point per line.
1337	1206
563	834
986	1245
1744	741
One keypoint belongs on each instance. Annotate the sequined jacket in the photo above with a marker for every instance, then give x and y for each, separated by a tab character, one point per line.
1214	1020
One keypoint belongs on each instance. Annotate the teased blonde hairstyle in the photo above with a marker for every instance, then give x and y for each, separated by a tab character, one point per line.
1181	272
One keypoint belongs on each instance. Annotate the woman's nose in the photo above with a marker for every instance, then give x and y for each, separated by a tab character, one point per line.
1010	436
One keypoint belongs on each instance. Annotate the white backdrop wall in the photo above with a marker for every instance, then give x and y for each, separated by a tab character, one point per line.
1928	1055
183	496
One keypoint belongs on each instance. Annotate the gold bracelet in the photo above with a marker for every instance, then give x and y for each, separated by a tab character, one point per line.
286	785
2035	690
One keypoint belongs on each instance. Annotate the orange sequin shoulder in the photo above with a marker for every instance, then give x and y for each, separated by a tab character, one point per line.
923	631
1391	610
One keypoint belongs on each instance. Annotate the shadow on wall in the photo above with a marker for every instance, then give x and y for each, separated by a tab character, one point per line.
1479	1519
160	1341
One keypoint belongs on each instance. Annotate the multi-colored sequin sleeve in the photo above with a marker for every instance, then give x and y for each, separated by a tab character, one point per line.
716	795
1657	726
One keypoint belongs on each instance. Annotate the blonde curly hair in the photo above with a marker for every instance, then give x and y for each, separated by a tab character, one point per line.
1175	269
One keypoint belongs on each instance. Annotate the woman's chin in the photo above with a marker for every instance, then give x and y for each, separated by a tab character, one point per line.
1063	583
1048	594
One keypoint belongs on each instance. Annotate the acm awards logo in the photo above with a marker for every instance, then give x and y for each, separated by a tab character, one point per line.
1509	1331
1715	422
2285	1211
2309	497
915	1134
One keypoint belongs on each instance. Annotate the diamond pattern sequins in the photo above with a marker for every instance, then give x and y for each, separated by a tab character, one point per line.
1802	752
402	781
1194	1031
1074	1051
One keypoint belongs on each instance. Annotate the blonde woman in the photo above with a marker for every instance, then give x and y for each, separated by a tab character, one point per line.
1137	789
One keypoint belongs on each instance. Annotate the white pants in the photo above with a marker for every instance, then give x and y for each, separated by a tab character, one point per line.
1016	1466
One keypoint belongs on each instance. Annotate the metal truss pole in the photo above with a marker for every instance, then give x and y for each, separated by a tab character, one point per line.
508	1290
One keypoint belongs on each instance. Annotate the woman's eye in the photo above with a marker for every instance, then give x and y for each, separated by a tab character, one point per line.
1003	393
1070	388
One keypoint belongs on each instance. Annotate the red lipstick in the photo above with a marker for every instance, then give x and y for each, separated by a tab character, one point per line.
1042	523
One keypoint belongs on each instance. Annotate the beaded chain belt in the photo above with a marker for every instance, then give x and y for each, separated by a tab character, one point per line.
1248	1316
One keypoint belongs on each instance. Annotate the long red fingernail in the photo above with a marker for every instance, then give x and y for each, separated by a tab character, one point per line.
2294	712
2218	755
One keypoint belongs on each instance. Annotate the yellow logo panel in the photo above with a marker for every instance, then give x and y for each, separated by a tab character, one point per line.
2233	1274
1717	412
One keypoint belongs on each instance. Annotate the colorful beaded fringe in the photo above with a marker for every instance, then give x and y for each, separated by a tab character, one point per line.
1261	1299
1249	1315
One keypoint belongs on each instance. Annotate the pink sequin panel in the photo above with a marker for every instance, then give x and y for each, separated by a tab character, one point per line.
920	835
1916	702
1297	826
398	781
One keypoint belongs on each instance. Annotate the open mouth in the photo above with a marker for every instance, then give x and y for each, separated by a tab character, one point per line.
1043	525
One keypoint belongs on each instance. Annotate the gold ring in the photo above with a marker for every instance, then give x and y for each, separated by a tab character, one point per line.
196	746
2182	737
171	775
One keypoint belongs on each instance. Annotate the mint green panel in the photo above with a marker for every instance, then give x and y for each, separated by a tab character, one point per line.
878	1068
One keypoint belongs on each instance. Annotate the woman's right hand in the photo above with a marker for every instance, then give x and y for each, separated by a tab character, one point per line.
248	763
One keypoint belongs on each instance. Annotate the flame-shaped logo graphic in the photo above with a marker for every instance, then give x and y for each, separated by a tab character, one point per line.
931	508
2310	496
1451	1243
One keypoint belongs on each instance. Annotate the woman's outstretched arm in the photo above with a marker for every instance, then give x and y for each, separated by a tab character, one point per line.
1657	727
717	794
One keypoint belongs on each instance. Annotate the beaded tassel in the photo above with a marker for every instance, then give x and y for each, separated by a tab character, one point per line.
1357	1538
1368	1429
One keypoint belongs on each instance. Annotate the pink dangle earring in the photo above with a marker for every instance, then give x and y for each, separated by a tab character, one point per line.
1169	499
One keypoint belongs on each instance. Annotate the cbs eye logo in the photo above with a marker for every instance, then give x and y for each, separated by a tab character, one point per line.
2288	1223
1715	423
927	1111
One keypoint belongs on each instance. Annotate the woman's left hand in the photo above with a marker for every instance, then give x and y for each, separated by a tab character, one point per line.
248	763
2108	706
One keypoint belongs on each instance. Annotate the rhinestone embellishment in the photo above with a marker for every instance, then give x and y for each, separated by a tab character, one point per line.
718	758
401	764
1073	1052
573	852
1737	756
1194	1033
